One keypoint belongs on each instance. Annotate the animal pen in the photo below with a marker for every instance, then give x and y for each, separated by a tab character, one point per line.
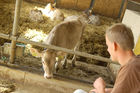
110	8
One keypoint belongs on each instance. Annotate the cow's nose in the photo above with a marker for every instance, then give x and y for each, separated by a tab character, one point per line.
47	76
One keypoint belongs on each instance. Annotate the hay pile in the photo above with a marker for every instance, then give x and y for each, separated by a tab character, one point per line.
93	41
6	19
6	86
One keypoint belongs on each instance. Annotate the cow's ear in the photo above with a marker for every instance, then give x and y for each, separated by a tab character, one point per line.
36	52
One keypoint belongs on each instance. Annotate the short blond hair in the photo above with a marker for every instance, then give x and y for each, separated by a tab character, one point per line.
122	35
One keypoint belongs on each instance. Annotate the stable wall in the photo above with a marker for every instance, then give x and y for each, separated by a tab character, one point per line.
109	8
132	19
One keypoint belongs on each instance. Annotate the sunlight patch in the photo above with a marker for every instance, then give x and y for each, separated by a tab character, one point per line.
34	35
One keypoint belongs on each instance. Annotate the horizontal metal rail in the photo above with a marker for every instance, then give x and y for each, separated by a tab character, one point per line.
27	41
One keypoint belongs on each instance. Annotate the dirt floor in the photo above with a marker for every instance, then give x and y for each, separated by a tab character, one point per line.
7	86
93	41
10	86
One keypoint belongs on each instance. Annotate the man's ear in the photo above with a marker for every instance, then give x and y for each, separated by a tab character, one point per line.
115	46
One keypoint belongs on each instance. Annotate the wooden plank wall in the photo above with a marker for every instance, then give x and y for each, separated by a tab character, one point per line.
83	4
138	1
109	8
74	4
70	4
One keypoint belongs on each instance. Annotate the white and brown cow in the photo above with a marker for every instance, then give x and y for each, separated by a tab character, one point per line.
52	12
67	34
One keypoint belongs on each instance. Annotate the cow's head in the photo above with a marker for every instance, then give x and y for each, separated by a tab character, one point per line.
48	61
49	7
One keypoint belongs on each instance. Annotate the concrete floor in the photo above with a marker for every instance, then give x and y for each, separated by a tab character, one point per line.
33	83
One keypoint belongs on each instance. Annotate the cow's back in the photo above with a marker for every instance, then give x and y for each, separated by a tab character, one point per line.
65	34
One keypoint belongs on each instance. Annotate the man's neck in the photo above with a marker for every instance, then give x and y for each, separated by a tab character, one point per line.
125	56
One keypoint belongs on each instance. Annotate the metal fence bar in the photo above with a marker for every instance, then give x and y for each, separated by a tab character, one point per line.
26	41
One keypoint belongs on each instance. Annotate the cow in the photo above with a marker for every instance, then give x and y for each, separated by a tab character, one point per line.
66	34
52	12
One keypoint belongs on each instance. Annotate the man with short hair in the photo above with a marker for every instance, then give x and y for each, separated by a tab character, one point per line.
120	42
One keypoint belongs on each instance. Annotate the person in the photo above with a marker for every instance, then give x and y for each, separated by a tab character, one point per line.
120	43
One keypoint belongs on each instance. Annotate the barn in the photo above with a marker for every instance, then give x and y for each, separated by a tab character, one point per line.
24	25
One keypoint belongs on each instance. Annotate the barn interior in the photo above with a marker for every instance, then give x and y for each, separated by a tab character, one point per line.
20	29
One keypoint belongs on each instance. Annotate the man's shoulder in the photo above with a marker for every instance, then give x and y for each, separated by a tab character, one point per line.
129	75
135	60
134	63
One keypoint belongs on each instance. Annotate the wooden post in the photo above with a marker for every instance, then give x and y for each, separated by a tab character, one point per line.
15	29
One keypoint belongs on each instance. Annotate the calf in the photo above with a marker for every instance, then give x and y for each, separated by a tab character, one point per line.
53	13
67	34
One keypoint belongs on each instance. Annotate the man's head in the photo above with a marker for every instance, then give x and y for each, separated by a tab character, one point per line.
119	35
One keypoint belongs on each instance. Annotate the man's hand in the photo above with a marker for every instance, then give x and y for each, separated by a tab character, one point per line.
107	90
99	85
93	91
